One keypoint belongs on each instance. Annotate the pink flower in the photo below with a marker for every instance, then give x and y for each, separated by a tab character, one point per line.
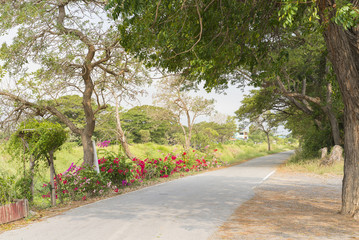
103	169
75	189
110	170
84	198
116	189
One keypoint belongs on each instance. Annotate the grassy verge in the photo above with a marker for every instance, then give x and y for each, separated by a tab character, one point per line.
240	151
296	164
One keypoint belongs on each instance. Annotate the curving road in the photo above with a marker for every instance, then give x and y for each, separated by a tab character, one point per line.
188	208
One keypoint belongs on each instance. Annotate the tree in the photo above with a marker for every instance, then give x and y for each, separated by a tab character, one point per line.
39	141
206	133
62	47
217	37
160	123
298	69
266	121
172	97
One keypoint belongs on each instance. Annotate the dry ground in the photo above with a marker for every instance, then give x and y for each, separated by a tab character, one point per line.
292	205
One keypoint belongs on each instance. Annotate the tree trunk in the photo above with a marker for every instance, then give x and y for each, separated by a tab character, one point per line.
334	127
331	116
344	55
268	141
87	148
121	134
52	178
89	115
32	174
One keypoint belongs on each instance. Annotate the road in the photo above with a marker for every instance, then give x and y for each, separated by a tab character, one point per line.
188	208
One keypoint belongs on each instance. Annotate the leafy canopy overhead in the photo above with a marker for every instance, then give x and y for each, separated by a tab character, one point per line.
205	40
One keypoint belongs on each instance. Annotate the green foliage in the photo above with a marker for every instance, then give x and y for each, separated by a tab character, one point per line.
314	140
209	133
213	37
347	16
22	187
158	122
145	135
40	137
7	184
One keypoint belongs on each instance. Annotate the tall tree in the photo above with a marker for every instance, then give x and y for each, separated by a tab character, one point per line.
61	47
172	97
211	39
259	118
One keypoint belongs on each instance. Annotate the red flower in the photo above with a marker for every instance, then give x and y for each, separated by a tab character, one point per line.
184	153
103	169
116	189
65	181
84	198
194	150
215	150
187	170
110	170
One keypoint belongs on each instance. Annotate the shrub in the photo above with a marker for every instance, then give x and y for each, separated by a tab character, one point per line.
6	188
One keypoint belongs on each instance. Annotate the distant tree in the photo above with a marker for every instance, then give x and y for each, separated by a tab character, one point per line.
258	116
207	133
161	123
145	135
171	96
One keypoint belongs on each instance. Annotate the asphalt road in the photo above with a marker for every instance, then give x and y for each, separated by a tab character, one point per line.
188	208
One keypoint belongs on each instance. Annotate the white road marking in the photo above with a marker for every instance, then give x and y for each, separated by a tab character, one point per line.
265	178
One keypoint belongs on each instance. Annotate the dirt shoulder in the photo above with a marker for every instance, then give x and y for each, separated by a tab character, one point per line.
292	205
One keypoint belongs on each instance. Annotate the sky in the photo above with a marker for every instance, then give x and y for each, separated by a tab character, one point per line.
226	103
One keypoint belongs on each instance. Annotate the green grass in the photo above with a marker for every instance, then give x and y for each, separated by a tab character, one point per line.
313	166
240	151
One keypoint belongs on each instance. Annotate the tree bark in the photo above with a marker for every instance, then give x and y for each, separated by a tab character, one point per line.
87	148
32	174
344	54
52	178
268	141
121	134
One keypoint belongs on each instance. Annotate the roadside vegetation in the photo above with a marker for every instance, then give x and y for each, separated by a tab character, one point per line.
154	163
297	163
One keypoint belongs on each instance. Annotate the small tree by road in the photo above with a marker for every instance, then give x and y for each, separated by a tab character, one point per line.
170	95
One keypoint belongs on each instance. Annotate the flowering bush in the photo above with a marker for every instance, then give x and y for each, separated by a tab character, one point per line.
117	171
79	182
